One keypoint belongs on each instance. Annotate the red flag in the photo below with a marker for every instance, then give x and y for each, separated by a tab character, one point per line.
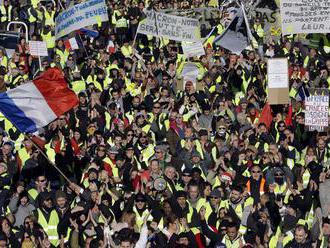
288	118
266	116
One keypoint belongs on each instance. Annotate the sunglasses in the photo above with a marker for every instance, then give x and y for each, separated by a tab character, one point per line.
156	107
256	171
186	175
213	197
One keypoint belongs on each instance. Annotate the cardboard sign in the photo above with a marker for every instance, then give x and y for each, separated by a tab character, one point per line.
192	49
38	48
79	16
302	16
169	26
278	81
317	110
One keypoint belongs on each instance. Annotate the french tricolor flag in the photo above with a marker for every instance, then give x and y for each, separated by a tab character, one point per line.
37	103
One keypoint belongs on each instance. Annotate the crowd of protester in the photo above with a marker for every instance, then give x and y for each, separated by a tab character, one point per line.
154	160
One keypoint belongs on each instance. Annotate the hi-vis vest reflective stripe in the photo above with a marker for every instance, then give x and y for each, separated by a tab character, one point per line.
50	227
33	193
5	186
5	16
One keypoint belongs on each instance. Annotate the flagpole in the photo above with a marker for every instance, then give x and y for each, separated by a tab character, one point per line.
42	153
46	157
250	35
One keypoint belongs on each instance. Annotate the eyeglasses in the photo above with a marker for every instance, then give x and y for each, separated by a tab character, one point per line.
139	201
186	175
213	197
256	171
156	107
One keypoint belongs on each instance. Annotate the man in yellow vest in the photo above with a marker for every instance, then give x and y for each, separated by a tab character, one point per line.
5	14
48	218
48	36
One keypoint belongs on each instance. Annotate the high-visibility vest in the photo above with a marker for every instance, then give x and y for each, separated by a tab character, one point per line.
5	186
259	30
139	218
126	51
326	46
49	39
315	41
5	16
49	18
261	188
78	86
63	55
50	227
33	193
114	169
34	3
232	244
121	23
32	19
23	155
50	152
93	79
4	61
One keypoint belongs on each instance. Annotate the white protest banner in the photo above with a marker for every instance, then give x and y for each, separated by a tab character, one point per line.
305	16
278	81
169	26
38	48
317	109
192	49
278	73
79	16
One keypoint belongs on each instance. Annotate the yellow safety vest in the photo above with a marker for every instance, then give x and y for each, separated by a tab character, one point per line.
139	218
32	19
49	18
49	39
6	17
50	227
23	155
4	61
121	23
33	193
78	86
